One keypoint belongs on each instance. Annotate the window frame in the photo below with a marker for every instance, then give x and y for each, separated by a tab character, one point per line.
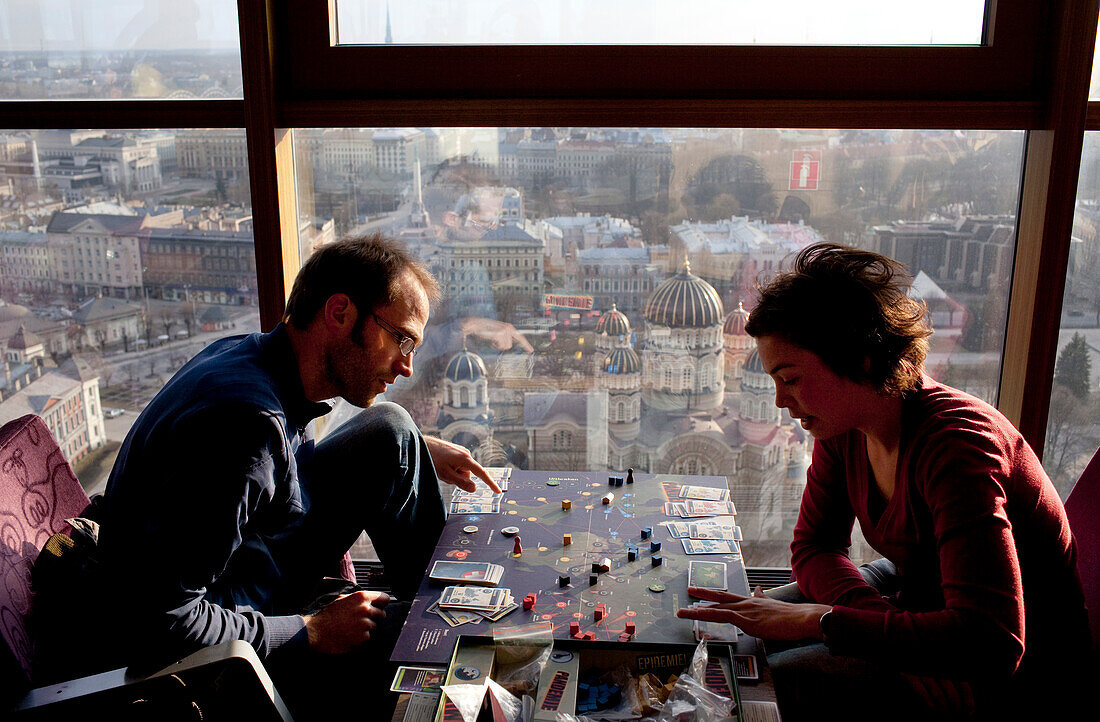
1032	73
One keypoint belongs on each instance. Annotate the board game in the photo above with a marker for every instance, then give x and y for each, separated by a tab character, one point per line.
639	597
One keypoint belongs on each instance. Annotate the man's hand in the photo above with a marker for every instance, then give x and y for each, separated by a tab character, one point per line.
454	465
346	623
501	334
758	616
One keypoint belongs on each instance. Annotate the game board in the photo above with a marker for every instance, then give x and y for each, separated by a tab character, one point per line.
533	504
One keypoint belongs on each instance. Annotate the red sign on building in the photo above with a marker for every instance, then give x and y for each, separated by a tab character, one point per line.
805	170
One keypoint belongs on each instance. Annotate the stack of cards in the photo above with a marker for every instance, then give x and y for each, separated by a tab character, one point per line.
484	574
482	500
689	508
713	631
460	605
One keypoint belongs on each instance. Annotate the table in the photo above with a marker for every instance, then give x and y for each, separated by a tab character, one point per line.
533	504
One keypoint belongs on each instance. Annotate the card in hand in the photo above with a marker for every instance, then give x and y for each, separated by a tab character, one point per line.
709	575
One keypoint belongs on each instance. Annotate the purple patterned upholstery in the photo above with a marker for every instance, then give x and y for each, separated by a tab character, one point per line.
38	491
1083	510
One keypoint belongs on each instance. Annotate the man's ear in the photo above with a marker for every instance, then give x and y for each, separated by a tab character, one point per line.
339	314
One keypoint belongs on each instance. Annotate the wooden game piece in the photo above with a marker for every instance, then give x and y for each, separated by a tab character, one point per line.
656	560
566	539
608	497
605	565
589	636
563	581
517	548
574	627
592	579
647	532
600	613
632	554
654	546
630	475
529	602
566	505
596	567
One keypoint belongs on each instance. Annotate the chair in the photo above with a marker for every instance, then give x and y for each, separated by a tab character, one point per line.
38	491
1083	510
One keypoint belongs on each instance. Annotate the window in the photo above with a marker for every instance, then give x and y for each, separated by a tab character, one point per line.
148	307
734	96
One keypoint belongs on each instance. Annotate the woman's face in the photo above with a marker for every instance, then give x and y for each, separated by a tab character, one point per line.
823	402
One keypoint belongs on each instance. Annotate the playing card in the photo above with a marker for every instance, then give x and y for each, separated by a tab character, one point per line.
709	575
695	507
710	546
710	530
476	507
417	679
745	666
705	493
481	573
674	508
453	617
474	598
678	529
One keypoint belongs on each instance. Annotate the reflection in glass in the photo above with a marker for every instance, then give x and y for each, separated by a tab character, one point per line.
111	49
660	22
122	254
1073	423
596	280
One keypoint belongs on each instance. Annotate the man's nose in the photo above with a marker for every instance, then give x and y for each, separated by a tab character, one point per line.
404	365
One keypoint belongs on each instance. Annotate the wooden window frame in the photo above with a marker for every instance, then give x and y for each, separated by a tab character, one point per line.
1032	73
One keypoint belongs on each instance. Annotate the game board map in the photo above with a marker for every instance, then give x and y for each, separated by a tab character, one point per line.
645	584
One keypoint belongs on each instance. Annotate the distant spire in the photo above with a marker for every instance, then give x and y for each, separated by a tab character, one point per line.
389	32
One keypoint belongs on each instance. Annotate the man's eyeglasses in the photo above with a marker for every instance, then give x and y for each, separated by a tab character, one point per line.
405	344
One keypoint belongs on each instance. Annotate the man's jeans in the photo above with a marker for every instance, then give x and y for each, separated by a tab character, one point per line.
373	473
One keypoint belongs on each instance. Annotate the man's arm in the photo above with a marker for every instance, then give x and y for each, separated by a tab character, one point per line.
454	465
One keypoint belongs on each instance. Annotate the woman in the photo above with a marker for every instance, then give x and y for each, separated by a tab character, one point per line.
977	602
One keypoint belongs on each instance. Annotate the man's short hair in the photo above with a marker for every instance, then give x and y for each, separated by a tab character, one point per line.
366	268
848	307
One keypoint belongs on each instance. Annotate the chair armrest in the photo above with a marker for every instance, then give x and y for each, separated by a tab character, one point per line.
226	679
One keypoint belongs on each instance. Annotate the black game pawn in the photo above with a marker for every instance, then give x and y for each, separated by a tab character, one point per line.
630	475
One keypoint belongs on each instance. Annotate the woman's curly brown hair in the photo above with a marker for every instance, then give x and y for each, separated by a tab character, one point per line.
852	308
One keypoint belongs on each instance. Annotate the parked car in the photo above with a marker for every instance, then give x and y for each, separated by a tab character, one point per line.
112	413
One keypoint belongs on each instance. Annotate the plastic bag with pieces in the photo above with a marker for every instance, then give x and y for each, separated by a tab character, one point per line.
689	699
522	653
469	699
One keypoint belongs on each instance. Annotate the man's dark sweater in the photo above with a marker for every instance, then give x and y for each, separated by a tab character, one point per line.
204	488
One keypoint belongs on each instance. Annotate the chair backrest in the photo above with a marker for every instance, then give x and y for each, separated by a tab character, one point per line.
38	491
1083	510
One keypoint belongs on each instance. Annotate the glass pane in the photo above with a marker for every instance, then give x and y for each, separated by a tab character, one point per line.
1073	424
659	22
122	254
80	49
563	234
1094	86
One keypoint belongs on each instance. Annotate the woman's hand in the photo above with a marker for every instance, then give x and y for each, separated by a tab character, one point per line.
758	616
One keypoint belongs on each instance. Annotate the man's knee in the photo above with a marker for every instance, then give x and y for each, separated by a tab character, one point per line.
383	427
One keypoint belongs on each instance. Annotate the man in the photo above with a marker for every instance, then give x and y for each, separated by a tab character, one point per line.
221	518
